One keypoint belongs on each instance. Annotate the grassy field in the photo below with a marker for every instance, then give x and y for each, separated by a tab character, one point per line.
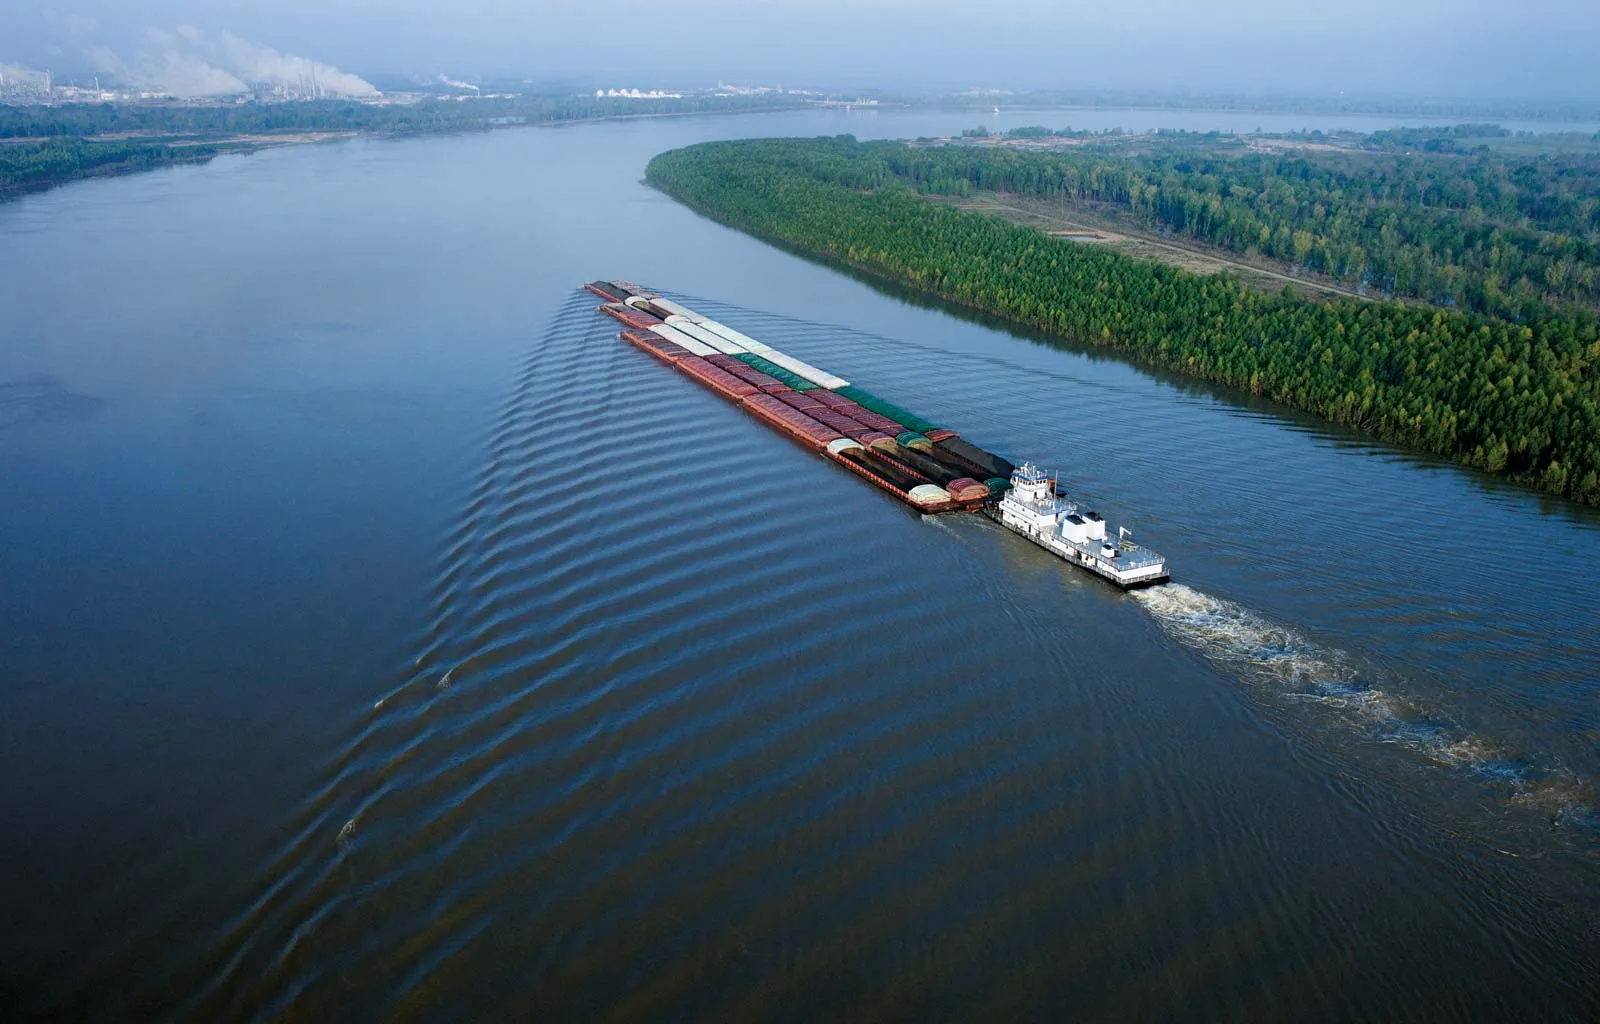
1094	224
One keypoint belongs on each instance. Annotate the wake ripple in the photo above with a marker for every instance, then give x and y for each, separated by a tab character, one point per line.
1298	668
704	758
605	682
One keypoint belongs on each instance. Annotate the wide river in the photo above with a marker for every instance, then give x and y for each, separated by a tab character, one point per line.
380	637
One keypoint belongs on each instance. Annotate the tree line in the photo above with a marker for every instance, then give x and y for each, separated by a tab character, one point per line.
1521	399
432	115
72	146
1480	231
1584	109
30	165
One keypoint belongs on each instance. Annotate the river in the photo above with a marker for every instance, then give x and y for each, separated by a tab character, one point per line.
381	637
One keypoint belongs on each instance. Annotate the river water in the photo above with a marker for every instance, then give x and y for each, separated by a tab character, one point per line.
381	637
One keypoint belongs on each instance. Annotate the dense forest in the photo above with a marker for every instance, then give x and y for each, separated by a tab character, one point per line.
1521	399
434	115
1476	230
67	142
29	165
1524	109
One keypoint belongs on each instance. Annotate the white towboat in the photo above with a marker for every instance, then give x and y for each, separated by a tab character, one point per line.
1032	509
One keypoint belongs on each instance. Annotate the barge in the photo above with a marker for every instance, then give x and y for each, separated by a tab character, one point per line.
928	466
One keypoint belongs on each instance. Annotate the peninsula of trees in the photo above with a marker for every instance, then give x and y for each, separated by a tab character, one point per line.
1516	393
41	164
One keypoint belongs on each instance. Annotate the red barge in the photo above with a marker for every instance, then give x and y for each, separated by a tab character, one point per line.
927	466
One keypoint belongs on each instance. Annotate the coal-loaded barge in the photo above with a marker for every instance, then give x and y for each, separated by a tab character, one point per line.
929	467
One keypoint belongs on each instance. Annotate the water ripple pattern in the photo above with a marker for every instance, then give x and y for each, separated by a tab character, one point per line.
1289	664
703	728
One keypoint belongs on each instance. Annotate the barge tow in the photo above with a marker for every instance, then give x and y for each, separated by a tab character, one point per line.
927	466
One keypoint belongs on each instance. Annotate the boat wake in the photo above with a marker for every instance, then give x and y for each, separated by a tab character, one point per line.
1297	668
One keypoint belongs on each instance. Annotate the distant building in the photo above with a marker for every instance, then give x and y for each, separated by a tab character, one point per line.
636	94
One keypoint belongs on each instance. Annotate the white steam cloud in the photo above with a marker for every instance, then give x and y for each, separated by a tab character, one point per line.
264	65
12	75
190	62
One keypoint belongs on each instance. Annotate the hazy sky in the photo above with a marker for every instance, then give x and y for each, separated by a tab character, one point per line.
1542	48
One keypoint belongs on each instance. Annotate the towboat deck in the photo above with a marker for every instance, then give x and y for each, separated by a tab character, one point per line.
1033	509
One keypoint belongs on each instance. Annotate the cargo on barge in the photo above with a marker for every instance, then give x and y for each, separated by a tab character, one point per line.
927	466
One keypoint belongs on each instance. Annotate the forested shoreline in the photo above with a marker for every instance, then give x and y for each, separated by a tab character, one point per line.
1515	398
433	115
1468	228
68	143
40	165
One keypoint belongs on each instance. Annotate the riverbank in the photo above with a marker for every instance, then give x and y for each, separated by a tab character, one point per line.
45	147
1518	400
38	166
301	649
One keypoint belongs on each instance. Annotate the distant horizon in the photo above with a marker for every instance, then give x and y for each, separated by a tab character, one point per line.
642	77
1413	50
912	91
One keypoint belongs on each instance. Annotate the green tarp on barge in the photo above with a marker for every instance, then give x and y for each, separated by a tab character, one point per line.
776	372
868	400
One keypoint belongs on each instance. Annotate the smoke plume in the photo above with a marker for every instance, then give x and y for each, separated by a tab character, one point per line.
189	62
262	65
